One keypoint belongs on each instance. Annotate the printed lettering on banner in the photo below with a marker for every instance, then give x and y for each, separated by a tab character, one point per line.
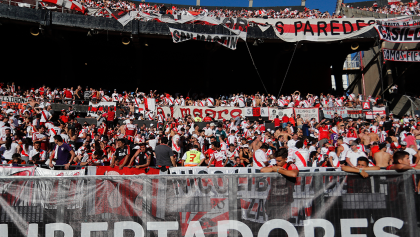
293	30
101	106
17	171
12	104
273	112
14	99
218	113
354	113
372	114
307	113
329	112
401	55
49	172
366	105
399	34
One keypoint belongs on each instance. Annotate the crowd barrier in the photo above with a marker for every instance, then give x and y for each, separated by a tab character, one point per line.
314	204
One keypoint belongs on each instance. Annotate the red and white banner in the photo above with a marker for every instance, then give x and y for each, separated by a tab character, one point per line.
49	172
401	55
399	34
16	171
372	114
307	113
107	170
256	111
273	112
101	106
293	30
69	4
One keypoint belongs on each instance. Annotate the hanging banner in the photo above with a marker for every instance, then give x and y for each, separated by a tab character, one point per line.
307	113
354	113
273	112
14	99
213	170
12	105
17	171
49	172
101	106
403	34
229	41
217	113
397	21
329	112
107	170
401	55
293	30
372	113
256	111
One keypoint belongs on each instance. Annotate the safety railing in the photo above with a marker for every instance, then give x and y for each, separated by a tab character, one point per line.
314	204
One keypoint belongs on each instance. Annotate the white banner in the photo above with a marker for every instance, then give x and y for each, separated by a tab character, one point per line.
213	170
101	106
329	112
372	114
402	34
256	111
293	30
273	112
14	99
307	113
49	172
17	171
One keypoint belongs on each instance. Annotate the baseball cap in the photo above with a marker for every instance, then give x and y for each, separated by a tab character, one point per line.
212	125
245	146
403	143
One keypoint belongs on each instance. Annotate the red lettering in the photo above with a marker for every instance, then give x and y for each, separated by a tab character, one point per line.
213	112
221	112
238	111
185	112
199	112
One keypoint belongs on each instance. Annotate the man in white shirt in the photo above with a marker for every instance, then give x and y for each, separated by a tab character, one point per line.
292	143
301	156
410	151
353	154
260	157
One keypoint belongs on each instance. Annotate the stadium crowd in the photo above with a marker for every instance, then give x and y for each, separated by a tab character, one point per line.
33	135
396	7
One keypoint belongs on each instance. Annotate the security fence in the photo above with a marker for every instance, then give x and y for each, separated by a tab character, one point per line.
314	204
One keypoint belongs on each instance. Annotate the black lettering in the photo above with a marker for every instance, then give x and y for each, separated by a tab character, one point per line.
297	28
308	27
371	22
358	25
322	28
386	53
223	188
203	189
265	184
233	42
241	24
248	213
332	27
183	36
406	37
279	27
260	211
216	39
392	55
344	27
395	33
230	24
402	33
208	38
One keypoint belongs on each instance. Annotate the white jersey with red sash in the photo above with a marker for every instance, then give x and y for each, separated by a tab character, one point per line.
202	103
301	157
175	146
210	102
130	129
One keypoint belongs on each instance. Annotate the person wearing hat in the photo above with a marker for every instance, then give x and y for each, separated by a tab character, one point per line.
353	154
193	157
412	153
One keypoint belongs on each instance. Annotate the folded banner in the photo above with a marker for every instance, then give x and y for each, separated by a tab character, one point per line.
49	172
401	55
293	30
16	171
400	34
107	170
229	41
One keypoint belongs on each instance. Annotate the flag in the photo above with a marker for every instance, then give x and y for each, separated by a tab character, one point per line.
69	4
123	17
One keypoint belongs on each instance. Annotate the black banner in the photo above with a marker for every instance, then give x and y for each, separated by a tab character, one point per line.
210	205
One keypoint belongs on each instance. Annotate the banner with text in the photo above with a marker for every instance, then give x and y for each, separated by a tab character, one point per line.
103	107
401	55
329	112
402	34
208	205
307	113
294	30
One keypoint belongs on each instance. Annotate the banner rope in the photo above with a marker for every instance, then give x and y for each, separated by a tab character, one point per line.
256	67
287	69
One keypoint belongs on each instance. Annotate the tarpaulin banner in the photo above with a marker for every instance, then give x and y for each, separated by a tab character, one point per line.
49	172
229	41
16	171
107	170
393	21
256	111
13	99
217	113
273	112
307	113
403	34
372	114
401	55
210	205
293	30
101	106
12	105
213	170
329	112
